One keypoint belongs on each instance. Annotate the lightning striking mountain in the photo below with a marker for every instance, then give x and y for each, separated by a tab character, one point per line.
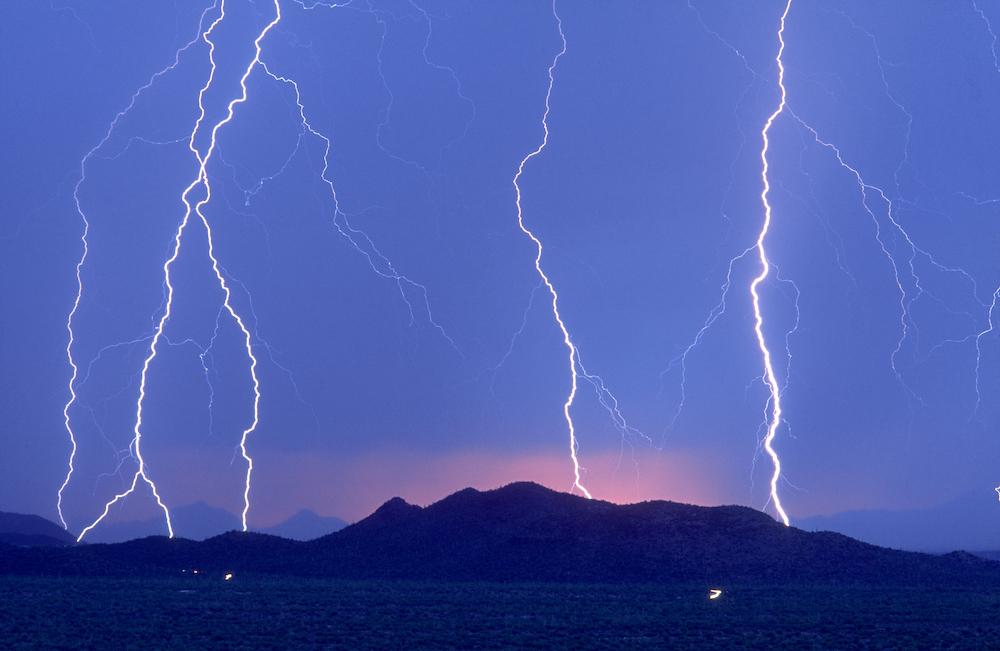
86	250
201	181
881	206
765	269
576	368
908	261
571	348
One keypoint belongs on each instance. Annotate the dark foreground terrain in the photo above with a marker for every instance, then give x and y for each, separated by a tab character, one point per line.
526	532
521	566
198	611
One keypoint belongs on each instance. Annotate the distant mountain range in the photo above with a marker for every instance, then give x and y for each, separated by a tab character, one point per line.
970	522
305	525
199	521
525	532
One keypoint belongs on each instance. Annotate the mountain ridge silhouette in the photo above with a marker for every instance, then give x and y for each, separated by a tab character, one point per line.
526	532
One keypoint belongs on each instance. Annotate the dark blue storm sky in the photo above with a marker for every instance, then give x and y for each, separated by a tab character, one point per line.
649	186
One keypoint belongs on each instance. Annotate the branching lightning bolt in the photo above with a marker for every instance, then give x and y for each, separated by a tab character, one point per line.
202	179
770	377
86	250
906	275
567	340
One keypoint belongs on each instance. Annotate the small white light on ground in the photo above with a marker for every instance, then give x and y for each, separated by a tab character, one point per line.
714	593
229	577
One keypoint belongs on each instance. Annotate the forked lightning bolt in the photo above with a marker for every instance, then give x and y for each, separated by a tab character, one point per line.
567	340
202	180
873	200
86	249
770	378
773	418
605	398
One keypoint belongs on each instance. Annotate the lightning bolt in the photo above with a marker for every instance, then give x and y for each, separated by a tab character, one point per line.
765	268
71	336
202	180
567	340
879	205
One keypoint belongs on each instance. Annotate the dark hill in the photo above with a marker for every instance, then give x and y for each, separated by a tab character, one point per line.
525	532
32	530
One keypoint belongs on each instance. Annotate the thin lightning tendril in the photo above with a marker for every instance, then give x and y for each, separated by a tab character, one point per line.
996	294
357	238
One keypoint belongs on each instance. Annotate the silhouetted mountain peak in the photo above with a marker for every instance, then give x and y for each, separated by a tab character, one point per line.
526	532
394	508
305	525
526	490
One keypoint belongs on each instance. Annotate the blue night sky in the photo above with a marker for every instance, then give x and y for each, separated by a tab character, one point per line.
404	343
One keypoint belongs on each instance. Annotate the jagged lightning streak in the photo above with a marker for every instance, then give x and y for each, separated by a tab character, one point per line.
769	376
86	250
202	179
570	346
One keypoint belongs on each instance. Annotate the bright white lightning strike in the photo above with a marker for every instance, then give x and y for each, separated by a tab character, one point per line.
905	272
86	250
202	179
570	346
769	375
